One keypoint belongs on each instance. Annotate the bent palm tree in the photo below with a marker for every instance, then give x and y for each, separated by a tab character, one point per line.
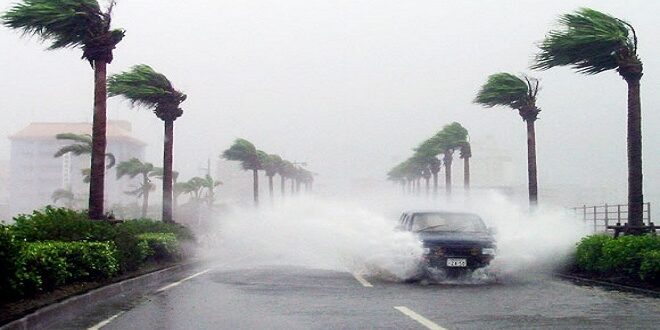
145	87
592	42
133	168
245	152
77	23
272	165
508	90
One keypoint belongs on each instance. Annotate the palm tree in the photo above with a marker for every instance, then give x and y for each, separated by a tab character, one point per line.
158	173
133	168
519	94
245	152
466	154
82	146
592	42
145	87
77	23
210	184
272	164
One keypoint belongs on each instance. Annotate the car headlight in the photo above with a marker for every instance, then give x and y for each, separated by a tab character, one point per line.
488	251
427	250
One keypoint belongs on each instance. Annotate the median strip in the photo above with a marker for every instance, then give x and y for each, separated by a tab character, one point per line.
420	319
362	281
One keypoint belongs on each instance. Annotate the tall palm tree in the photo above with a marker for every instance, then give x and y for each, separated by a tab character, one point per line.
245	152
159	173
519	94
77	23
592	42
82	145
145	87
133	168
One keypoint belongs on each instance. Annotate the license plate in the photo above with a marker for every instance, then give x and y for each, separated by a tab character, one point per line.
456	262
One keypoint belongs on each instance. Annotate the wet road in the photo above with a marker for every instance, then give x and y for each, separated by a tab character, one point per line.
281	297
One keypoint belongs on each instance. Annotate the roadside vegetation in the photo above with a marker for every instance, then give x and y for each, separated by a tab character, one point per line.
57	246
624	259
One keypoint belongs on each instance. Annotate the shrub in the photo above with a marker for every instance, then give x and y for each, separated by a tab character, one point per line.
43	266
589	255
10	249
60	224
141	226
164	246
649	270
624	254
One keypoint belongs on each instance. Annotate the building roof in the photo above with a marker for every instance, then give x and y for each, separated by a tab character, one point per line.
115	130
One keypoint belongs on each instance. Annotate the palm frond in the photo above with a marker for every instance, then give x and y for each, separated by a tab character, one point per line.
133	167
503	89
75	149
589	41
80	138
62	194
245	152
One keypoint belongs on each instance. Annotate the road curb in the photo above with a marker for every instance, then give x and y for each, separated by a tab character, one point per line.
612	285
70	307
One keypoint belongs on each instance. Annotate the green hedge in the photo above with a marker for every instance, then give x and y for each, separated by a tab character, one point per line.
60	224
162	246
10	250
633	256
42	266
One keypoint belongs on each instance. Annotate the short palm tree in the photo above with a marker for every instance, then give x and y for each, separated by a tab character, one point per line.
245	152
133	168
210	184
519	94
77	23
592	42
145	87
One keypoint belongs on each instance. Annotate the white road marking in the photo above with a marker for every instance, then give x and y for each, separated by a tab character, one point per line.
421	319
171	285
362	281
105	322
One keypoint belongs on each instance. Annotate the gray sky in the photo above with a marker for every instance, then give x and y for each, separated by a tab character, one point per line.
350	86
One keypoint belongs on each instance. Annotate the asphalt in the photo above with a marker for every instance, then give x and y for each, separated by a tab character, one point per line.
219	296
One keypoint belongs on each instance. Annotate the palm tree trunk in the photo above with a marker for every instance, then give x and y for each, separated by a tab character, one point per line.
255	186
282	184
531	162
145	196
447	161
293	189
428	186
635	178
167	171
270	187
97	176
435	183
466	173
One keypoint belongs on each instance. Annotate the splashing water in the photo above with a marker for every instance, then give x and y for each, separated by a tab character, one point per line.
357	237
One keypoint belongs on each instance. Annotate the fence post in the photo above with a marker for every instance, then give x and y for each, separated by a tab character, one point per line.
607	223
584	213
595	220
618	213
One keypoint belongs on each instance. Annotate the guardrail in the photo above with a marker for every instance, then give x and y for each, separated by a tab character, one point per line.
604	216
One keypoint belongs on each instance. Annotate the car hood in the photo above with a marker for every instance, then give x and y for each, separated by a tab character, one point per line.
456	238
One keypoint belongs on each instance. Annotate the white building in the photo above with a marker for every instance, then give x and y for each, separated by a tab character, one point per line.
35	173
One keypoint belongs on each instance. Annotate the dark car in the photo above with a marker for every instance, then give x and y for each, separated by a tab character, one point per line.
454	243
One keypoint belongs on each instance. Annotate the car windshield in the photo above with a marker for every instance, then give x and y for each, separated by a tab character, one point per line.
447	222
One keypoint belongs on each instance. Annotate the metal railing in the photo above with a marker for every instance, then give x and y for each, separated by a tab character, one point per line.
602	216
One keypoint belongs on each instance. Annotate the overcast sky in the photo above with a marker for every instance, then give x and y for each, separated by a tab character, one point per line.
350	86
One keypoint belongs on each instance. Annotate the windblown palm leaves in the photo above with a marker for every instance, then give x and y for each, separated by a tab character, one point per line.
65	195
508	90
76	23
143	86
250	158
82	146
592	42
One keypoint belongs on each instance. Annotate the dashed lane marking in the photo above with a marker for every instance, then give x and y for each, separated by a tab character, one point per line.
420	319
171	285
105	322
362	281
